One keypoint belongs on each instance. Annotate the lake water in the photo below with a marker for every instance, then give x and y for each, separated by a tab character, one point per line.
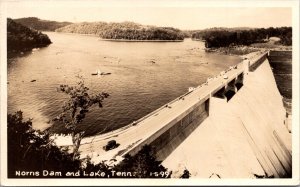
144	76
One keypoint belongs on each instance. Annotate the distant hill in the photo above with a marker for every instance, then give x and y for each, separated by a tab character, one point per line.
198	34
124	30
96	28
225	38
41	25
21	38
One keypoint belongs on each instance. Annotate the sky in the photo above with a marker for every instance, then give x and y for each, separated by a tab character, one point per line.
190	14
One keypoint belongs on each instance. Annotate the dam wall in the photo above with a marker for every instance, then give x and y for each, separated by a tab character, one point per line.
261	112
242	138
168	138
181	125
253	65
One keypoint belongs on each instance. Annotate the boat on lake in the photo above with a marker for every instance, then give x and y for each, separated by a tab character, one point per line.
100	73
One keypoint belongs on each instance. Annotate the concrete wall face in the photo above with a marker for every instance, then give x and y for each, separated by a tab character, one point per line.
263	122
258	62
239	81
170	140
220	93
230	89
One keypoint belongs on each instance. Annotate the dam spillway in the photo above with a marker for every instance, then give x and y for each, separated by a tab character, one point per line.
232	125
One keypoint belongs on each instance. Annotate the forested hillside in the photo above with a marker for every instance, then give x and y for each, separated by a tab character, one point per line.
41	25
124	30
198	34
21	38
224	38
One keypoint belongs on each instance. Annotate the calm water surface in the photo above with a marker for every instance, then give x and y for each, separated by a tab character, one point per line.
144	76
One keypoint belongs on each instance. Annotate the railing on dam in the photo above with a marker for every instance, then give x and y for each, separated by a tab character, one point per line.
257	62
183	115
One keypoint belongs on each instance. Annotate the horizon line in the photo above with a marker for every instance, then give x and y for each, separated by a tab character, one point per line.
249	27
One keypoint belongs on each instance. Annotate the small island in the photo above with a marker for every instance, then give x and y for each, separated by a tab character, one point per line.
124	31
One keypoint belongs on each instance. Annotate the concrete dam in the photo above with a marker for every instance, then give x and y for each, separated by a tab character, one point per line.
232	126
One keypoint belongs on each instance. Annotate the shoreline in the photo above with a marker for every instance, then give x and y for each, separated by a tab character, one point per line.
116	40
244	49
127	40
71	33
233	51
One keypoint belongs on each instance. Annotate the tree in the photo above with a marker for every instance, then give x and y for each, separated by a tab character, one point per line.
31	150
225	38
76	108
21	38
144	164
186	174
